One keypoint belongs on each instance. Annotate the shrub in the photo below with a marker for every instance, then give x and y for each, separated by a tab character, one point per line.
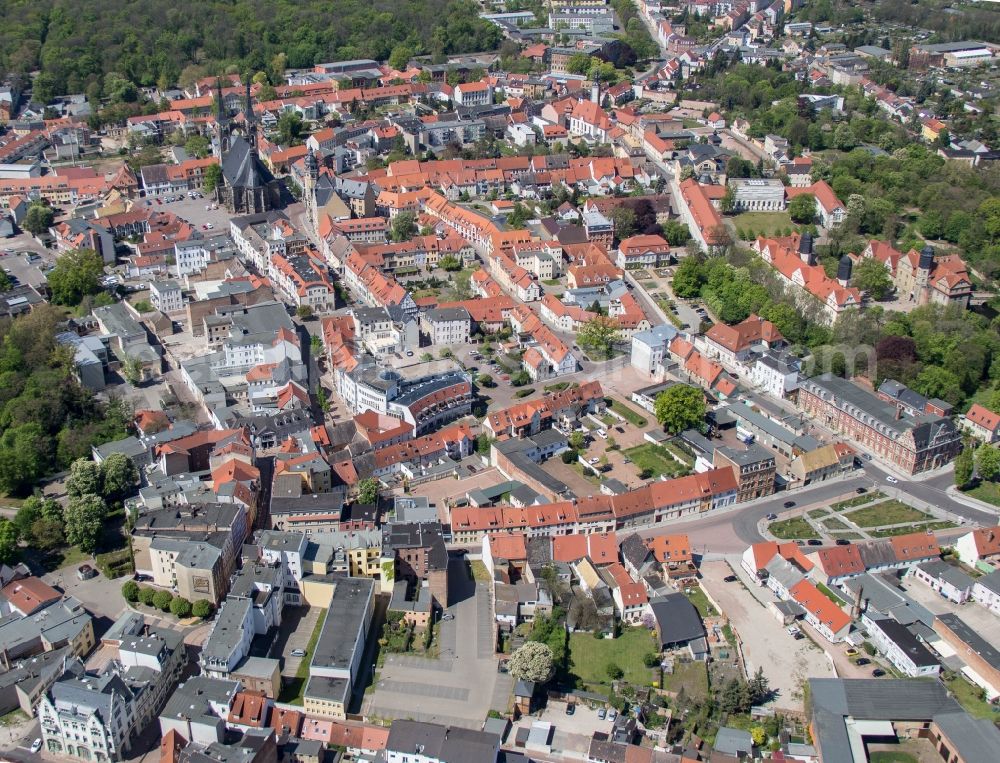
180	607
651	659
614	671
146	596
130	590
203	608
568	456
162	600
646	474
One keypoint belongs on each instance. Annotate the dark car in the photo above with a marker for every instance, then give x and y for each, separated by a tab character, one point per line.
877	673
843	542
861	490
789	504
862	661
143	578
730	579
814	542
570	708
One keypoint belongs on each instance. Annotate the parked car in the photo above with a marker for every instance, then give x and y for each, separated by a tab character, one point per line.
814	542
862	661
772	516
851	652
298	653
86	572
593	460
891	480
602	714
843	542
861	490
36	745
140	578
447	616
730	579
788	504
570	708
878	673
612	714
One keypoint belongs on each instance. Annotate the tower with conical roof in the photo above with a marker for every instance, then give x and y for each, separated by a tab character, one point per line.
250	117
221	122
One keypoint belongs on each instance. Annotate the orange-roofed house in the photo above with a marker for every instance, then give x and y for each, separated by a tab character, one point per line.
643	251
700	215
756	558
734	344
630	597
980	548
27	595
250	710
830	209
821	613
674	554
600	548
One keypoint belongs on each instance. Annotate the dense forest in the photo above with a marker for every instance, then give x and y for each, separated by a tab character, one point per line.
76	46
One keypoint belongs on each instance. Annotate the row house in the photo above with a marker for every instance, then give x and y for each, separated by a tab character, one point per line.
563	408
562	317
513	278
303	280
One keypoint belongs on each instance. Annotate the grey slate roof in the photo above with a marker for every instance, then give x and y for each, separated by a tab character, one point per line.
447	744
677	619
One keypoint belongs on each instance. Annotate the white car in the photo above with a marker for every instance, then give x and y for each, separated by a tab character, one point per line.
594	460
891	480
602	434
36	745
298	653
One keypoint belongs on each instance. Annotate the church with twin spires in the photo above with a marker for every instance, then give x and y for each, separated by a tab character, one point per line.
247	186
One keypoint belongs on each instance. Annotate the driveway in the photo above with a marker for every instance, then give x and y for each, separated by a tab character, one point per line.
99	595
787	662
462	685
978	617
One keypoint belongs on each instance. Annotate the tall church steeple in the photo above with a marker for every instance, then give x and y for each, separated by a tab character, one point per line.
251	118
221	121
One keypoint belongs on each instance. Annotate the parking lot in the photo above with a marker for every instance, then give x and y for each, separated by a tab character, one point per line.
193	210
571	734
462	685
297	625
787	662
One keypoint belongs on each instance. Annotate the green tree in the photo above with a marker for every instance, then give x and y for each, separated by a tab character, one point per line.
203	608
577	441
76	275
368	490
614	671
758	735
578	63
119	476
84	479
130	591
38	219
450	263
599	335
8	541
680	407
211	177
29	513
485	380
198	146
802	208
85	517
144	306
47	534
735	697
676	233
404	226
146	595
534	661
290	128
180	607
988	462
520	378
935	381
132	369
871	276
304	312
688	278
162	600
624	220
964	464
400	57
728	201
759	688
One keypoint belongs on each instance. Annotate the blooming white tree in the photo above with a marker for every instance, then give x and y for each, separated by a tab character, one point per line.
532	662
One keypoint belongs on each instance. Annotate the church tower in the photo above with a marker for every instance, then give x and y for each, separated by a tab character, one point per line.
221	122
251	118
923	275
309	189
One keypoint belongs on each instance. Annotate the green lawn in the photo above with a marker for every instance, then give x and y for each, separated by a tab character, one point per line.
655	458
764	223
678	451
847	535
858	500
692	677
904	529
626	412
986	491
891	512
292	691
792	529
590	657
701	602
817	513
833	524
893	756
969	697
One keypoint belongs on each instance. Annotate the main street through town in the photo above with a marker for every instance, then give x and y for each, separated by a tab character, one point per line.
731	530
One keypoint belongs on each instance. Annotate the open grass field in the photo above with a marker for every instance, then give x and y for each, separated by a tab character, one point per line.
655	458
763	223
792	529
630	415
886	513
590	657
858	500
692	677
986	491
